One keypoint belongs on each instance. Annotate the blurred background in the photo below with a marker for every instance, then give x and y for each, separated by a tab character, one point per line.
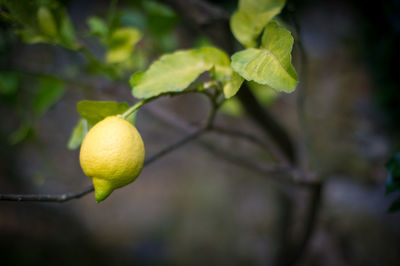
192	207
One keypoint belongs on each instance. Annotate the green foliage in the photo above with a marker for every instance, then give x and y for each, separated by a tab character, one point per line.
160	18
92	112
121	44
50	91
233	85
77	135
95	111
97	26
47	23
271	63
42	21
9	82
232	107
393	180
175	72
252	16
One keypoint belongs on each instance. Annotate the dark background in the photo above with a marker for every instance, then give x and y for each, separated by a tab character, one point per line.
191	207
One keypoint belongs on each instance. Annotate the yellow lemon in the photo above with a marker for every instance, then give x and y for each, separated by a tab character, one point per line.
112	154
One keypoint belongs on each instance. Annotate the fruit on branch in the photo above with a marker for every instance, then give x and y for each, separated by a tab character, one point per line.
112	154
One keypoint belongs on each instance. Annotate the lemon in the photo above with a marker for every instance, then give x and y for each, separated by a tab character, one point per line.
112	154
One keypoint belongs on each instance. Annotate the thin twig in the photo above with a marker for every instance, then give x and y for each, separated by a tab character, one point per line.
253	139
292	175
75	195
176	145
47	197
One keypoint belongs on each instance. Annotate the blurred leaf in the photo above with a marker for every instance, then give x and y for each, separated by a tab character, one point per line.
393	175
271	64
121	43
50	91
171	73
42	21
161	19
232	107
23	14
46	21
395	206
95	111
133	18
233	85
78	134
97	26
253	15
264	94
157	8
9	82
202	41
21	133
67	32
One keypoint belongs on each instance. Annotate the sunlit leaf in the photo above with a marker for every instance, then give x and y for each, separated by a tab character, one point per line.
217	58
171	73
95	111
253	15
271	64
233	85
121	44
50	91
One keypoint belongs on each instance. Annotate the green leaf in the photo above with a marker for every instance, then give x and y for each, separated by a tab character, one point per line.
161	19
50	91
248	22
260	5
217	58
67	32
271	64
232	107
9	82
233	85
95	111
78	134
21	133
97	26
47	23
171	73
121	44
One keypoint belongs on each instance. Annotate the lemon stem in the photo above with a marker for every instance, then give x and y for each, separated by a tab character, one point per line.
135	107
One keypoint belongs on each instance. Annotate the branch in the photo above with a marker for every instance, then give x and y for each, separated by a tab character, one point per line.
270	147
47	197
214	22
291	176
75	195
